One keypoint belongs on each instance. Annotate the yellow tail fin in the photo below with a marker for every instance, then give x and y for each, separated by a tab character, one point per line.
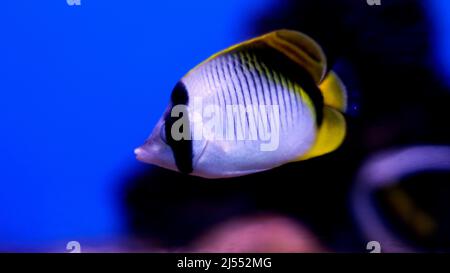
334	92
330	135
332	131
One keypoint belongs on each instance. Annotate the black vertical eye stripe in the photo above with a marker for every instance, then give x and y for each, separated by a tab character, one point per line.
181	149
179	94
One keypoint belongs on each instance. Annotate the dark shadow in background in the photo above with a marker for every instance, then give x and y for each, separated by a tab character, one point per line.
383	54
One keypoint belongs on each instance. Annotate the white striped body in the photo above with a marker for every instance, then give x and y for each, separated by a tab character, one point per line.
241	78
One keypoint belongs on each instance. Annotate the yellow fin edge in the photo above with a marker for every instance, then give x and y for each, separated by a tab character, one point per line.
297	46
334	92
330	135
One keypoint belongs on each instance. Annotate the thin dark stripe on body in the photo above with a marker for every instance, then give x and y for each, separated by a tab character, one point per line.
241	77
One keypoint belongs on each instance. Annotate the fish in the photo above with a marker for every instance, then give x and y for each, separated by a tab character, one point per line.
254	106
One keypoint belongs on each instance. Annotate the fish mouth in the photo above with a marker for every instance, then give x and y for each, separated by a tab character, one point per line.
140	153
153	153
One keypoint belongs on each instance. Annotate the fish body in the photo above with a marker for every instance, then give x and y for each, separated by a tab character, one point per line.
252	107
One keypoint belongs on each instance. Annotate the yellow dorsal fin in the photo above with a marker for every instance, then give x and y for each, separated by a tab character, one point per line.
301	49
334	92
297	46
330	135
